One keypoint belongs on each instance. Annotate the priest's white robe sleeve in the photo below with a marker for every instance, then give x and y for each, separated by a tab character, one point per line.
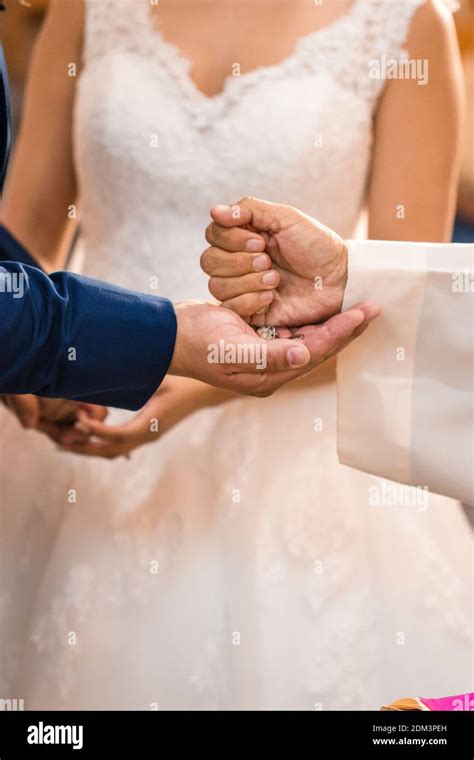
405	388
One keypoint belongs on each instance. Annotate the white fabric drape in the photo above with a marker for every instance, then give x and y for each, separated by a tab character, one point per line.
405	388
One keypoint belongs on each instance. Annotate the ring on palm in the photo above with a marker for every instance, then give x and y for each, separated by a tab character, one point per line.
267	332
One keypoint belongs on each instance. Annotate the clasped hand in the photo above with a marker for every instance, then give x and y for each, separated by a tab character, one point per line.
274	265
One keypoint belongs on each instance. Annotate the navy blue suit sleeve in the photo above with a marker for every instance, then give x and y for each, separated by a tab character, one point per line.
66	336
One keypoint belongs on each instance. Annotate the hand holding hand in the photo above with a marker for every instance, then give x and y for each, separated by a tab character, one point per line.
52	416
175	399
308	263
217	347
59	417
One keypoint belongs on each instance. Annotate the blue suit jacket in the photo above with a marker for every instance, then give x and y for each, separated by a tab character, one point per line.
68	337
65	336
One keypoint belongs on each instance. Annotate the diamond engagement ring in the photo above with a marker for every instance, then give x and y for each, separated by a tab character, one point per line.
267	332
270	333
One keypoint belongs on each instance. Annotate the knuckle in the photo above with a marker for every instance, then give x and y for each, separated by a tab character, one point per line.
205	260
243	203
215	287
210	233
270	220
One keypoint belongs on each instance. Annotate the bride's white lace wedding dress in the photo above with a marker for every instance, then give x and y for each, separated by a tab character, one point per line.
234	564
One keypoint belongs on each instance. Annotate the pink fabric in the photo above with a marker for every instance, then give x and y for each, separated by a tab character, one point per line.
459	702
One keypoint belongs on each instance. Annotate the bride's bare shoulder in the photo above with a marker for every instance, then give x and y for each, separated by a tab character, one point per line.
432	29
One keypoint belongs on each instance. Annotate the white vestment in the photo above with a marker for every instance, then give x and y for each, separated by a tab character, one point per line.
405	388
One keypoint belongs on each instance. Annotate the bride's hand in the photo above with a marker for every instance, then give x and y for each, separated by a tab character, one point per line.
58	417
51	416
177	398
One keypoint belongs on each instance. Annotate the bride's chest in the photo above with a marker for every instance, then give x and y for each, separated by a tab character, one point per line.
136	117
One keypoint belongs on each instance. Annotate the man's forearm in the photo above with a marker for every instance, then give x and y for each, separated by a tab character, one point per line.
65	336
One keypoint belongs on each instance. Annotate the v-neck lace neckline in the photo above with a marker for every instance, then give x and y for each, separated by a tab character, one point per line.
180	66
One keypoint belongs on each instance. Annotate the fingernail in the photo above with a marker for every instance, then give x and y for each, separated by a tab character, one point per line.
297	357
376	312
270	278
260	263
222	207
263	310
266	296
254	244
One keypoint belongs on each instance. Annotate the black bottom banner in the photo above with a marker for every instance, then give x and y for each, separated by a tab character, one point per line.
146	734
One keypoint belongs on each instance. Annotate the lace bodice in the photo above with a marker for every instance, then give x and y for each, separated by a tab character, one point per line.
153	153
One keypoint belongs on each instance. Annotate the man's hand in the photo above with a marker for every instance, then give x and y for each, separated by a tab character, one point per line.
308	263
216	346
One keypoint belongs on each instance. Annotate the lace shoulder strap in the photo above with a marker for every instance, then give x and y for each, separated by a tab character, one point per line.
387	27
111	25
388	23
371	30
